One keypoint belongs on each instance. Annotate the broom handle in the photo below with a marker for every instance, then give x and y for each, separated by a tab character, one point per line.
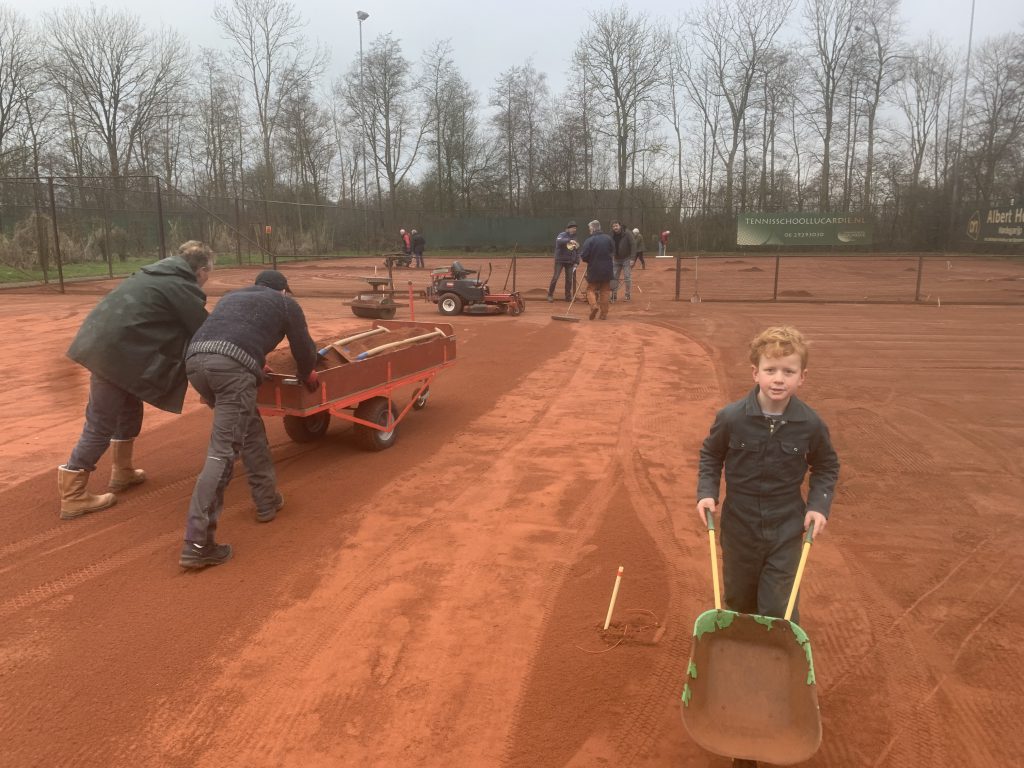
714	557
800	571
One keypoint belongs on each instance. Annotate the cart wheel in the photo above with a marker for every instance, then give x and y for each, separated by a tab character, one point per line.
449	304
419	403
306	429
375	410
514	309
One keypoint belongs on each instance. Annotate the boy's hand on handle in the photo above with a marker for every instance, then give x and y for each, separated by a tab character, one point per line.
705	504
818	520
312	382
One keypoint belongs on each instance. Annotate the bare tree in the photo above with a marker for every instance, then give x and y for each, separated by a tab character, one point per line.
830	25
117	79
927	73
673	107
997	109
18	67
307	140
733	38
218	153
519	97
880	33
271	52
622	57
395	118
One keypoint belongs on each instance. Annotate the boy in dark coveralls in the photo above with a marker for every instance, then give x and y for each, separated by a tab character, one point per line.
766	442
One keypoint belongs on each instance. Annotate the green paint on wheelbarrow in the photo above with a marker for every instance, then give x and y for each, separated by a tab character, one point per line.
692	670
768	621
711	621
687	694
802	639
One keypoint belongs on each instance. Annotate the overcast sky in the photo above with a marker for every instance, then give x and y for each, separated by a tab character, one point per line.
490	36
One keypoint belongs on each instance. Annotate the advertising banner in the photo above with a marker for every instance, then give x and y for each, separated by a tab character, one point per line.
803	229
997	225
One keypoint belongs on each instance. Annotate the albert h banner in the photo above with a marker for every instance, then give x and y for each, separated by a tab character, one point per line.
997	225
803	229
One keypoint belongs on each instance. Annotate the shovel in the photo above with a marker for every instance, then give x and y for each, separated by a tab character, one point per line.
403	342
750	691
340	345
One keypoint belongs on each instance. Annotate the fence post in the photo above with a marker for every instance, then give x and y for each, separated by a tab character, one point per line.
160	220
920	270
775	287
42	248
679	273
106	236
56	234
238	234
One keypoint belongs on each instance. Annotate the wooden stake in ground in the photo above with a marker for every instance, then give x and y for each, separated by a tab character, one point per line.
615	594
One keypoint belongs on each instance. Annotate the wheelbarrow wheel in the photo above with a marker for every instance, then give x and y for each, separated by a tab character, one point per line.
419	403
449	304
376	411
306	429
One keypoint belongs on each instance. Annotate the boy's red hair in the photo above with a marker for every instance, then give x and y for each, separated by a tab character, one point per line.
778	341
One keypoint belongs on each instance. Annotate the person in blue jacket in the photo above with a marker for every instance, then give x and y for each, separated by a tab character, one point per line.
597	252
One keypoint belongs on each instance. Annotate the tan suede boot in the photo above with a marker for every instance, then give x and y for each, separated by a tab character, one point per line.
122	473
75	500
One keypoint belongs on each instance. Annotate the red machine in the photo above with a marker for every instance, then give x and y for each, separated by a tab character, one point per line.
454	292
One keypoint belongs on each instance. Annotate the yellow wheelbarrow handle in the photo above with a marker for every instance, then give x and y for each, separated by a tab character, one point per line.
709	516
800	570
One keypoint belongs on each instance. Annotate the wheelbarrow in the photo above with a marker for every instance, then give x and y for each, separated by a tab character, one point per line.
750	690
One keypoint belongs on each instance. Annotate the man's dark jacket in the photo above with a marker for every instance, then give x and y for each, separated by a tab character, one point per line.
249	323
597	252
625	248
136	336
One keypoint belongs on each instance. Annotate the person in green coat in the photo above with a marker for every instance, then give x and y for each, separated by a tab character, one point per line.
133	344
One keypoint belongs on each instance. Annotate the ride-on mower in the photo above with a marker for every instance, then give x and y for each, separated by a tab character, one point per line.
454	292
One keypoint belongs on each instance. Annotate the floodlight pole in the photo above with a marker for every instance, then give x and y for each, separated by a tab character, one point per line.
363	16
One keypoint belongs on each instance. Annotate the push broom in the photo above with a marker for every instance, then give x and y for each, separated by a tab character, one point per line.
567	317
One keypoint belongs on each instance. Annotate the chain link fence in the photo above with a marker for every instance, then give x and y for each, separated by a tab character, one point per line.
58	228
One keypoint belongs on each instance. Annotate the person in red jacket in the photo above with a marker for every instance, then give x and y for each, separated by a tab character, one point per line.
663	243
406	242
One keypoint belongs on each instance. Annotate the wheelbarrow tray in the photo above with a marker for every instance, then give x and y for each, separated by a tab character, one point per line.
345	386
750	691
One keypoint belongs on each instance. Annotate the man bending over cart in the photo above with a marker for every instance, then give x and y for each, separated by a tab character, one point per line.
225	363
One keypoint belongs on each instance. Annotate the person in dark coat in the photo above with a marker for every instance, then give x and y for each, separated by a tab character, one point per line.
597	252
622	262
133	344
226	362
566	258
419	243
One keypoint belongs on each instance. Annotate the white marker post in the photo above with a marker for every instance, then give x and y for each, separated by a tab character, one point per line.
615	594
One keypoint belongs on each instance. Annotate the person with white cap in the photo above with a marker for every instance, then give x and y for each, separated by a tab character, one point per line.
638	242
